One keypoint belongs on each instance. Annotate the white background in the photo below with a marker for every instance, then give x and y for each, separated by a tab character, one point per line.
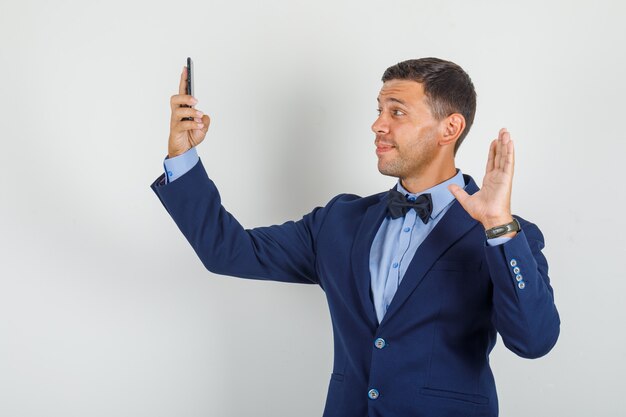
105	309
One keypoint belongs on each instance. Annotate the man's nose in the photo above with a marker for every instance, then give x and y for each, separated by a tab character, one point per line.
380	125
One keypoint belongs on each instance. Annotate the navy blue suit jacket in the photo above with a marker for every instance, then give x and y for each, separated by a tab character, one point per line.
442	322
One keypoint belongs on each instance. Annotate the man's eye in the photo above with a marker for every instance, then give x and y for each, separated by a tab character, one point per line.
394	112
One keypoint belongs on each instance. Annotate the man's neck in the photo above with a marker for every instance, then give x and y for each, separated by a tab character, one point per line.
419	183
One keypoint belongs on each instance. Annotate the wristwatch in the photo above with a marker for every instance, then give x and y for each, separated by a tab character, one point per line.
498	231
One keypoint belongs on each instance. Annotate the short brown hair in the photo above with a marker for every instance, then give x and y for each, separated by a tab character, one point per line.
447	87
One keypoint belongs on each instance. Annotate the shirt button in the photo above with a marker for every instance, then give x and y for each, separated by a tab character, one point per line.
395	265
169	173
518	277
373	394
380	343
513	262
521	285
516	270
407	229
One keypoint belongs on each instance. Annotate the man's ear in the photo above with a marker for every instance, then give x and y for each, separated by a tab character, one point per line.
452	126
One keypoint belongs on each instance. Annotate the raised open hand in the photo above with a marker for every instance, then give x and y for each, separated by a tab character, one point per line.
491	205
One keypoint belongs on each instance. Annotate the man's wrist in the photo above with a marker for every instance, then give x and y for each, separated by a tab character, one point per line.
171	155
496	221
176	152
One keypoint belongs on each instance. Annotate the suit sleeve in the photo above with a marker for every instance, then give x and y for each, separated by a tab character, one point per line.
524	312
281	252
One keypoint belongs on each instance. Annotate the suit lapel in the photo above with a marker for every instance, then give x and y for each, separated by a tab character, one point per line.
455	223
370	224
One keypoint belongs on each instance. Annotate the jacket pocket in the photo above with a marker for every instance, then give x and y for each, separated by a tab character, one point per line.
453	395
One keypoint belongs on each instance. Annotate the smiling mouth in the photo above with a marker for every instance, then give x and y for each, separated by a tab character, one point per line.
380	149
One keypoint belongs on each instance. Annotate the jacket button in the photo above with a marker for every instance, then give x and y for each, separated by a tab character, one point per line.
513	262
518	277
516	270
373	394
380	343
521	285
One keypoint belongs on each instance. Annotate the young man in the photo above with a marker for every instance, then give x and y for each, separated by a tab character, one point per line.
419	278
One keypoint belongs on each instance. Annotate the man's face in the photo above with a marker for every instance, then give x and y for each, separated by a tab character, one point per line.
406	131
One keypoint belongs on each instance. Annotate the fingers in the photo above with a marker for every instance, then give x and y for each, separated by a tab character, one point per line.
503	138
182	100
498	157
186	125
492	156
181	123
182	87
504	157
460	194
508	162
179	113
206	121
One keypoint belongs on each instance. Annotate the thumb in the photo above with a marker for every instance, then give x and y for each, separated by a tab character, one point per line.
207	121
459	194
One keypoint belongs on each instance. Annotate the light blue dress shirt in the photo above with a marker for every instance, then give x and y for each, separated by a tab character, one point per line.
396	241
177	166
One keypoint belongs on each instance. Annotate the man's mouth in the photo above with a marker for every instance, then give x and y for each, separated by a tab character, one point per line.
383	147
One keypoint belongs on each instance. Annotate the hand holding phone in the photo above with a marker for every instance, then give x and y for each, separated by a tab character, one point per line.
188	126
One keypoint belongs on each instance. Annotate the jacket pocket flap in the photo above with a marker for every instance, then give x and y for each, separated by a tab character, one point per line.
470	398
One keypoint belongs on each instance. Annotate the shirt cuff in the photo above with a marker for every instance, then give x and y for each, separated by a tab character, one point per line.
179	165
498	241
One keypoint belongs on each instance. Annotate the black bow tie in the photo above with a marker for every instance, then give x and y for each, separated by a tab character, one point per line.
398	205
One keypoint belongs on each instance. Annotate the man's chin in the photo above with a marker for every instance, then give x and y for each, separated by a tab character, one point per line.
388	172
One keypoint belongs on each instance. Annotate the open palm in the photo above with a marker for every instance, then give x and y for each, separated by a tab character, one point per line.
491	205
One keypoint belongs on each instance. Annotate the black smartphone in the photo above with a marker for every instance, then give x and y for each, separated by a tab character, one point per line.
189	87
189	76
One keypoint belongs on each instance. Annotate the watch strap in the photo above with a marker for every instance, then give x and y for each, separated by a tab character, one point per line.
498	231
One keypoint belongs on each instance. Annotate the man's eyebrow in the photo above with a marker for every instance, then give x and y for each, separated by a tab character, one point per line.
397	100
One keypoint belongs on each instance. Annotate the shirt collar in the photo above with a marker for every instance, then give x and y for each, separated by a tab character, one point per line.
442	197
